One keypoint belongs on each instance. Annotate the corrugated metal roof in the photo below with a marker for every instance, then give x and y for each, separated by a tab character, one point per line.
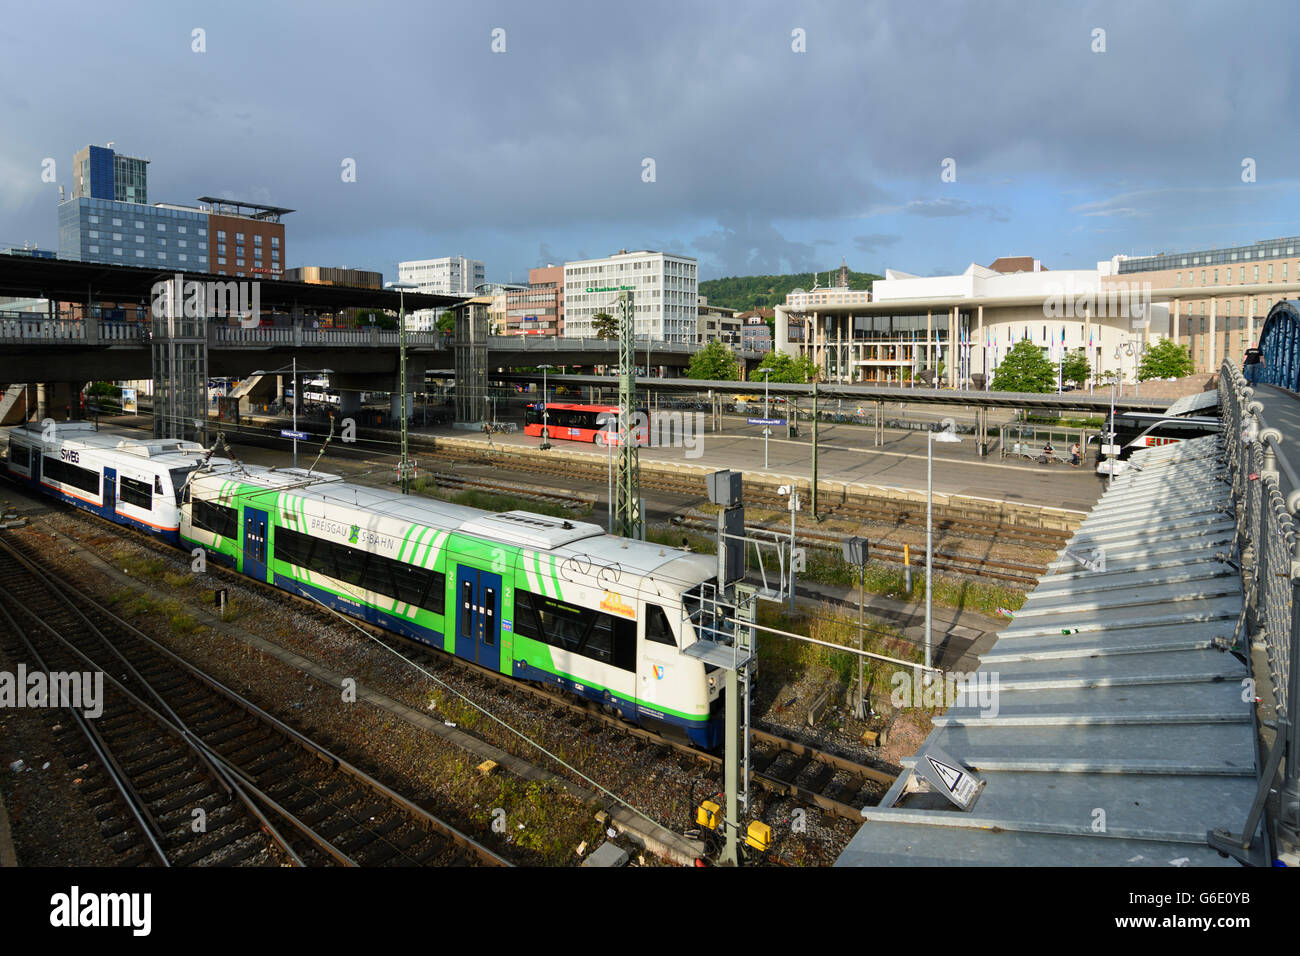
1117	734
1194	403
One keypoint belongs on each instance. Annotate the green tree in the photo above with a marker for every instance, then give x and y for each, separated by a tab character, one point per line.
604	325
1165	360
1025	369
1076	367
447	322
715	361
787	369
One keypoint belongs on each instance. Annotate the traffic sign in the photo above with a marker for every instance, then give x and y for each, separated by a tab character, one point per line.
290	433
766	421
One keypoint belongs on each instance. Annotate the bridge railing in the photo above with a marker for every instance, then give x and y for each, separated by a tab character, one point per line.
17	330
1266	493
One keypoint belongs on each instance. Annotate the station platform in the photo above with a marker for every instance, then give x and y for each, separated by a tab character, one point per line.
845	453
1116	733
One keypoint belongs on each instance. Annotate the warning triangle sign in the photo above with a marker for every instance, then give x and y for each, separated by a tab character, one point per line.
951	775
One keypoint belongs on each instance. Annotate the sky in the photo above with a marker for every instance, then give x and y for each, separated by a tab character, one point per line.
758	137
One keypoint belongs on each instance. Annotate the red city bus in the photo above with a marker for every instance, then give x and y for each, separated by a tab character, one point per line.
579	423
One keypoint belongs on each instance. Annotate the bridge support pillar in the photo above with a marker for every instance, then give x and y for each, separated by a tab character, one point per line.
349	403
40	402
74	401
395	405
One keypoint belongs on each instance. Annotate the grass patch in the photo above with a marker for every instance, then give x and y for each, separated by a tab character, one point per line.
787	659
494	501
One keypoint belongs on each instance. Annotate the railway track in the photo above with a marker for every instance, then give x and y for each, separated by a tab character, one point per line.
224	782
948	518
795	768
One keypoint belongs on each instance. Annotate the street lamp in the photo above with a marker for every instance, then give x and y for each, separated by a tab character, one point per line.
293	367
947	435
401	287
767	411
546	418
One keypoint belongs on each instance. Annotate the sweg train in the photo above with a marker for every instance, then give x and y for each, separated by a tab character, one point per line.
538	598
124	478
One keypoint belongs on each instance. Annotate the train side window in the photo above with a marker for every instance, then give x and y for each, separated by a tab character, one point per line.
20	455
466	607
157	486
135	493
657	628
490	610
220	520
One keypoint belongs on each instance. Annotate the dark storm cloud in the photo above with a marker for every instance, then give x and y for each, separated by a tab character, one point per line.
876	241
548	139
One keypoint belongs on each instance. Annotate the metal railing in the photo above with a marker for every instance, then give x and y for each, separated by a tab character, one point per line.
1266	495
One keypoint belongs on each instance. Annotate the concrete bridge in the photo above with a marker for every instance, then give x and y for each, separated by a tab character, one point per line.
38	348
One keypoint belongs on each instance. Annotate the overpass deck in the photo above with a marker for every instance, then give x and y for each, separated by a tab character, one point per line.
1116	733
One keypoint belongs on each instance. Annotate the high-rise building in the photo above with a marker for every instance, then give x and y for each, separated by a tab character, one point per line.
246	238
163	236
665	288
450	275
101	173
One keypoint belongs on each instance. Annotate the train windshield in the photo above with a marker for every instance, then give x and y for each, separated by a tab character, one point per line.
179	477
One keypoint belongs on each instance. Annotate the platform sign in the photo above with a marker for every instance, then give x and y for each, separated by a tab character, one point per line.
290	433
766	421
949	776
1110	449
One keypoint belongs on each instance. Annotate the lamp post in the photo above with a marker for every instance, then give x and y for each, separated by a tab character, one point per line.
943	436
767	410
546	418
401	287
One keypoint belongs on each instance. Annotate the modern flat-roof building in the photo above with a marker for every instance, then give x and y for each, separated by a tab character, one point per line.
99	172
537	308
326	275
958	326
450	275
717	323
164	237
246	238
665	288
1218	298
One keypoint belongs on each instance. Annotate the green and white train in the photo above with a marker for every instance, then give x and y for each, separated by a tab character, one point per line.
538	598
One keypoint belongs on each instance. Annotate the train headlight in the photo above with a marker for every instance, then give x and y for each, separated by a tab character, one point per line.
713	682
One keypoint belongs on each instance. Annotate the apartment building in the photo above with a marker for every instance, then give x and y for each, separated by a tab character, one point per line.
665	289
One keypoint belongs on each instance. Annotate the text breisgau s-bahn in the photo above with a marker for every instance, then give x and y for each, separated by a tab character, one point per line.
535	597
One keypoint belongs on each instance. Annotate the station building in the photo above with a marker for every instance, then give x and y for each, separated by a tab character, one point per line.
952	328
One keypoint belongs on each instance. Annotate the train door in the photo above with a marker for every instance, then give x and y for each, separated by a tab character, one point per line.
110	493
255	543
478	616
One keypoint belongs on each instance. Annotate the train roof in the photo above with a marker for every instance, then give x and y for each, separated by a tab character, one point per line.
169	452
586	543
